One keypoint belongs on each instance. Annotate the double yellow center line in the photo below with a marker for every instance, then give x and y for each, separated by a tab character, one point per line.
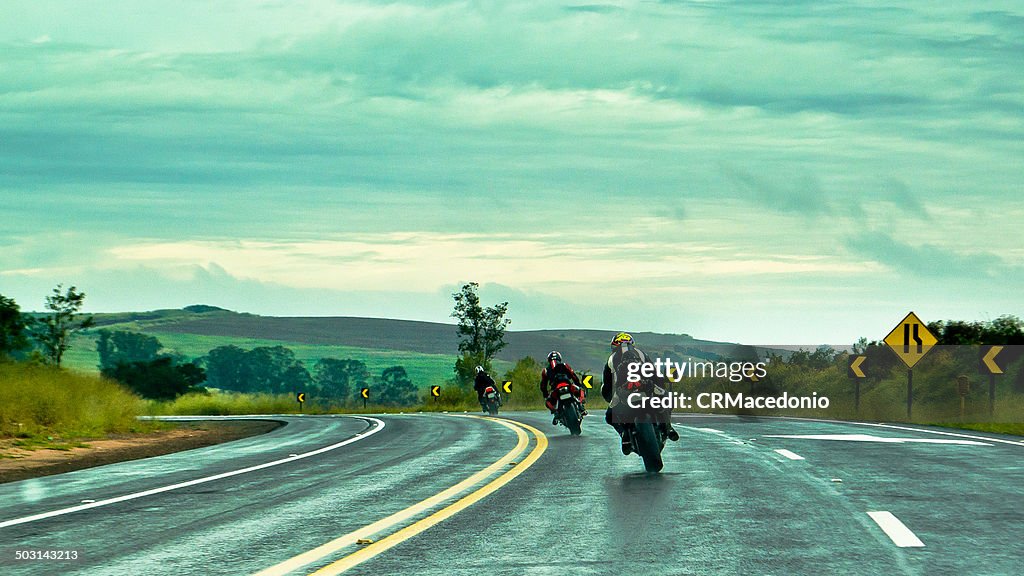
367	552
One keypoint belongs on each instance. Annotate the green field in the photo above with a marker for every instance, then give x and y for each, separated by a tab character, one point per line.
424	370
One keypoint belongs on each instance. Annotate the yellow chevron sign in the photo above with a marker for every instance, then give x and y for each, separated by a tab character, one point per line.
507	386
365	393
989	364
435	391
587	381
855	370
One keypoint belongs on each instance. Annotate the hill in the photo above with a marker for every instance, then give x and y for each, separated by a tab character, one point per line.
584	349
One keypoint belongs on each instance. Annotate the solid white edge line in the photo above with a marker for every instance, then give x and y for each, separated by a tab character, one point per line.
896	531
875	424
789	454
360	436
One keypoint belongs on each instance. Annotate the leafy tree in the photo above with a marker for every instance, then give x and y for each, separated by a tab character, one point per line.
225	368
481	330
12	327
465	367
263	369
339	379
123	347
53	332
525	377
396	388
159	379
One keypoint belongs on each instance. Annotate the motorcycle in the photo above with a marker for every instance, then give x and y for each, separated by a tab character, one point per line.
646	433
491	400
568	408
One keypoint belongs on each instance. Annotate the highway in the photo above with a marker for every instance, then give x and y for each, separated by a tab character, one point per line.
461	494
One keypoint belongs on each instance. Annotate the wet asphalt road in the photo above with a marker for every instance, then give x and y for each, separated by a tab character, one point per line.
726	503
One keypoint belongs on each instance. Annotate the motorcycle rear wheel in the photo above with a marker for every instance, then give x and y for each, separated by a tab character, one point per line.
648	447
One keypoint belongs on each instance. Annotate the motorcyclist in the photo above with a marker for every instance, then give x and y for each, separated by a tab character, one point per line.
625	351
555	372
480	383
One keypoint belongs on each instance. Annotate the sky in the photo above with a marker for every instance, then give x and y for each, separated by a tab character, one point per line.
798	172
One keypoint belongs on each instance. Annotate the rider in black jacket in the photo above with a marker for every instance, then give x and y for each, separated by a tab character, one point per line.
480	383
624	350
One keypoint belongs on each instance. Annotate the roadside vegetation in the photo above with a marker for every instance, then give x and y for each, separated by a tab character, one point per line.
45	407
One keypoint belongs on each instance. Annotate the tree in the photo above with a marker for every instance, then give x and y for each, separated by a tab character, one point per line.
53	332
159	379
481	330
123	347
225	368
13	336
336	378
396	388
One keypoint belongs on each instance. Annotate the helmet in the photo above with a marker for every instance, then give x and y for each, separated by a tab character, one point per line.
479	369
554	358
622	338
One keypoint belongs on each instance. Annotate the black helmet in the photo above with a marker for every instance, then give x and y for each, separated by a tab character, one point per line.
479	369
554	357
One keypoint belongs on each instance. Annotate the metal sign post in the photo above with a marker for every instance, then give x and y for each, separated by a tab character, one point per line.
910	340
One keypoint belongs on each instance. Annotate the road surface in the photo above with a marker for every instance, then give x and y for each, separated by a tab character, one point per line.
454	494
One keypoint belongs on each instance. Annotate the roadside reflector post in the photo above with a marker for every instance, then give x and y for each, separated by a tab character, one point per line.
963	388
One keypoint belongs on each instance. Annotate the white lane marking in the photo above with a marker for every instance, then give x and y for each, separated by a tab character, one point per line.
789	454
896	531
875	424
136	495
711	430
908	428
870	438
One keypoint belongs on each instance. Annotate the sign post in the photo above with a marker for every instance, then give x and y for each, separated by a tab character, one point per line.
435	391
855	371
365	393
910	340
301	397
988	363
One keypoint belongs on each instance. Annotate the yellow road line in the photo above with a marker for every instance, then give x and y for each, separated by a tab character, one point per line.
443	514
365	532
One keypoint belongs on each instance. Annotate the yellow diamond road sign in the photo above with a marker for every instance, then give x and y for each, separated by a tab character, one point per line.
911	340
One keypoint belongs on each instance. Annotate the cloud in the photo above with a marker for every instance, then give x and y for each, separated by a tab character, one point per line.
931	260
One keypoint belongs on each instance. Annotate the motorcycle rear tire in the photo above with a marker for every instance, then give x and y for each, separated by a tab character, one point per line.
571	418
648	447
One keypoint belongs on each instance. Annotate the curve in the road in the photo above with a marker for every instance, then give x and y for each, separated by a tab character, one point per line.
374	427
433	519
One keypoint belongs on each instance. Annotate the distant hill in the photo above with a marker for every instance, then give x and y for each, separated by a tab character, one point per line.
584	349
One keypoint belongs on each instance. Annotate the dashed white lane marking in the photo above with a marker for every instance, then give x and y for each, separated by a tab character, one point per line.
896	531
97	504
789	454
882	439
710	430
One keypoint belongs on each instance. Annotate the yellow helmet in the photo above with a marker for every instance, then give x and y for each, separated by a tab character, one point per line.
622	338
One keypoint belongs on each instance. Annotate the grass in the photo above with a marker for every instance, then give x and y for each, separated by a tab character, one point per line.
43	407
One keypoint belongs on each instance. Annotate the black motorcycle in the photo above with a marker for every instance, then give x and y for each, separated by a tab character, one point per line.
645	430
